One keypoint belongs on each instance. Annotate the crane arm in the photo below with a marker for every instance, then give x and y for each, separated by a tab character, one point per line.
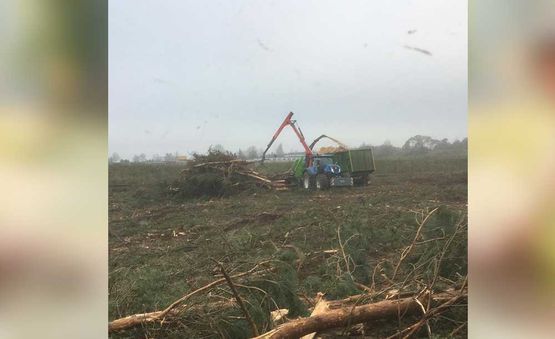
298	132
332	139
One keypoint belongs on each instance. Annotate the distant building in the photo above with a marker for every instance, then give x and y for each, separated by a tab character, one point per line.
181	158
286	157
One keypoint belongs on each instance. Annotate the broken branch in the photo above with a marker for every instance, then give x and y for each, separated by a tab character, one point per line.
407	251
137	319
238	299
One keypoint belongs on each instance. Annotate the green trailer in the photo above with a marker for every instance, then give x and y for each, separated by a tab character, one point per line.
357	163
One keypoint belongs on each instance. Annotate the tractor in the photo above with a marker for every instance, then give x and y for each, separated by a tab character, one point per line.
322	174
322	171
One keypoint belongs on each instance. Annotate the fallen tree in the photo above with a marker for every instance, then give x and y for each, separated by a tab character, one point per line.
172	309
350	315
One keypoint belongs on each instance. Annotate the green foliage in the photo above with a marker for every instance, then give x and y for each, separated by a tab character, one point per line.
202	184
216	153
312	283
283	289
206	182
338	287
287	256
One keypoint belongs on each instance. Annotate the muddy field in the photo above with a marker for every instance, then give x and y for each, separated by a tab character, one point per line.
340	242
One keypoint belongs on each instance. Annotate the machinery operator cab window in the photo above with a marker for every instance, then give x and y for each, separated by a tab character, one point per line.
320	163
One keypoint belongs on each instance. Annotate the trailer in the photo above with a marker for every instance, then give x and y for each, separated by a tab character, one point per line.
356	163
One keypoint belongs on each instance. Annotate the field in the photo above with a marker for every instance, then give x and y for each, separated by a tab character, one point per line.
340	242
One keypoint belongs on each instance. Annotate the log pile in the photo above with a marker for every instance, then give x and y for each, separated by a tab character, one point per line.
230	169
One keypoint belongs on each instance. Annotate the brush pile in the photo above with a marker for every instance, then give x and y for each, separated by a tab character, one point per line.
223	174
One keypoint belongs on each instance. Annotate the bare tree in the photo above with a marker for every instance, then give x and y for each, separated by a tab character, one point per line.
169	157
241	155
252	152
114	158
139	158
217	148
279	151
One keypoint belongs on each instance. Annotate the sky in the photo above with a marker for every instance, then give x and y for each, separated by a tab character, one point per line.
184	75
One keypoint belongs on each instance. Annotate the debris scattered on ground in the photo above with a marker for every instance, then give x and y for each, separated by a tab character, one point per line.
419	292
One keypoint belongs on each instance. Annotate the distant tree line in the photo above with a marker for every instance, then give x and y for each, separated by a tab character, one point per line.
254	153
414	146
168	157
422	145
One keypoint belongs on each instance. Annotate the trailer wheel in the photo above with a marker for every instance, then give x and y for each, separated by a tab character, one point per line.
307	181
361	180
322	182
364	180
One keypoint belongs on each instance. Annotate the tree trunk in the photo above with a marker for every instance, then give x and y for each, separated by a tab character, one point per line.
350	315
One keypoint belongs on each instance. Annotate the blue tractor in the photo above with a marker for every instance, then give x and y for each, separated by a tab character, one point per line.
322	173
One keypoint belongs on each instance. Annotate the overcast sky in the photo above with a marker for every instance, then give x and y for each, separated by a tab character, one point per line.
185	75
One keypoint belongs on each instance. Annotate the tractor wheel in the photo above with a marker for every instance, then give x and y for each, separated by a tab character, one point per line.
307	181
322	182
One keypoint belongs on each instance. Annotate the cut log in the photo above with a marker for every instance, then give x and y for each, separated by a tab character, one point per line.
322	306
352	315
279	315
254	176
133	320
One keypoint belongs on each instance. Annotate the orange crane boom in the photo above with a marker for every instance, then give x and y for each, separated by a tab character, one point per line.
289	122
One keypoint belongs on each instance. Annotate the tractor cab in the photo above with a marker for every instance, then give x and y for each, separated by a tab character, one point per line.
322	164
